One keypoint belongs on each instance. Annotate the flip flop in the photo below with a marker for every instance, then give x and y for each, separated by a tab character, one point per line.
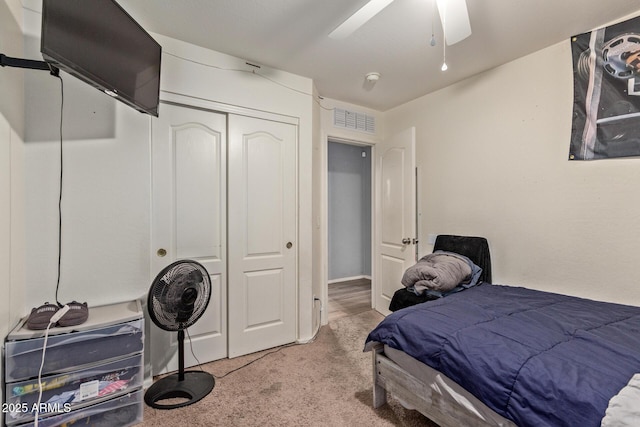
40	317
78	313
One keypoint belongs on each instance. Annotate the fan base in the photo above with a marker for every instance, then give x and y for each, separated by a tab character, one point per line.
195	386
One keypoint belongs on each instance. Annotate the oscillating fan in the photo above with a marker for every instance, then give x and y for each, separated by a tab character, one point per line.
178	296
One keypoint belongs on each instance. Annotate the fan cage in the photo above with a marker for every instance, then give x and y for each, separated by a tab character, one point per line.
170	301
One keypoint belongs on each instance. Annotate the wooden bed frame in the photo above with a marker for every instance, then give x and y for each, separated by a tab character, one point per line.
388	377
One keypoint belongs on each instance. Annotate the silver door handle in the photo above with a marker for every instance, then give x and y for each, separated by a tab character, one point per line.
406	241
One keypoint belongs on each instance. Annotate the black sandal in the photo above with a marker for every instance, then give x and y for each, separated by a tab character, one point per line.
78	313
41	316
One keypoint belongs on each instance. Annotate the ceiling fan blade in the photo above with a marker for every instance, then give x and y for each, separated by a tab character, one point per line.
359	18
455	20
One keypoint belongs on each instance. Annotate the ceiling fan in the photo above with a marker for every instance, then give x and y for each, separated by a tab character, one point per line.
453	15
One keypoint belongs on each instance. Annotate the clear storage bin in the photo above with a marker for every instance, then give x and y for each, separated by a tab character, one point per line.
72	351
73	390
122	411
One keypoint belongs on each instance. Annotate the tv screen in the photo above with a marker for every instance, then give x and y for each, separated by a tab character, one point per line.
98	42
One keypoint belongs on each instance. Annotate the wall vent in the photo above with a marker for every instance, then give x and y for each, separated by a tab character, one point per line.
353	120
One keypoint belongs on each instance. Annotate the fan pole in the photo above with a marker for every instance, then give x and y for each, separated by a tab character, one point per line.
181	355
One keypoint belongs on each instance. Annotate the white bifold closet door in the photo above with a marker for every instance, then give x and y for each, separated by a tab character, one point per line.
189	222
228	201
262	227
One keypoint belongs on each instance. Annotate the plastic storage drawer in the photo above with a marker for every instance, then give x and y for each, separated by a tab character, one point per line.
122	411
72	351
73	390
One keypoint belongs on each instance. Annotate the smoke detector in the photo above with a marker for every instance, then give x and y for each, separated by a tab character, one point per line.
372	77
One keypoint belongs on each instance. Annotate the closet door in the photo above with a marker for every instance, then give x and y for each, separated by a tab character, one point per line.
262	244
189	222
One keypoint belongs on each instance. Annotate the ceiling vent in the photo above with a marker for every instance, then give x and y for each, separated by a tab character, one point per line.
353	120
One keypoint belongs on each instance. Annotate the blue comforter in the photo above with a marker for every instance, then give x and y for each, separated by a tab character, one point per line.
536	358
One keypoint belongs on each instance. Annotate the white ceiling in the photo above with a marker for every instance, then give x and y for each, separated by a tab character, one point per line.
291	35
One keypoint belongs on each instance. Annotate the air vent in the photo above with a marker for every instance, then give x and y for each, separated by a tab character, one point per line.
353	120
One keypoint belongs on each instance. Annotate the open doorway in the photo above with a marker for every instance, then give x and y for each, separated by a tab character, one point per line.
349	203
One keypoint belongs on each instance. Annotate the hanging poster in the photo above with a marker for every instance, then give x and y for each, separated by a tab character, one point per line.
606	88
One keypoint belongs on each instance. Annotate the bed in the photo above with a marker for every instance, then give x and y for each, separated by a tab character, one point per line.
497	355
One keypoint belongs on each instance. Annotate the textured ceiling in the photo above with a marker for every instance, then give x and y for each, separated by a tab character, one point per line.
291	35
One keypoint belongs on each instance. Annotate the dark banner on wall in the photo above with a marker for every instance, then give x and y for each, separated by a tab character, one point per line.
606	88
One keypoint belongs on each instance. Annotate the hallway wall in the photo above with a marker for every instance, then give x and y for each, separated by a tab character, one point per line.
349	197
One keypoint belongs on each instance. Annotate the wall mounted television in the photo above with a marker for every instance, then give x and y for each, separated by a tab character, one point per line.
100	43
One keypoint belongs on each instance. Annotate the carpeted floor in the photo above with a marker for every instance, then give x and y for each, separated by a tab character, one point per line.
325	383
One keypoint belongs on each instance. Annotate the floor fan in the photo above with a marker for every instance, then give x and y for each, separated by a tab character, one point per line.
178	297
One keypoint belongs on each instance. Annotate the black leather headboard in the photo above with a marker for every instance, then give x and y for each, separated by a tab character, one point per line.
474	248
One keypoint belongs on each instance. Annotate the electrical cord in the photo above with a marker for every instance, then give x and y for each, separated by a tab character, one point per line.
260	357
63	308
192	352
60	187
255	360
54	319
319	321
316	100
238	368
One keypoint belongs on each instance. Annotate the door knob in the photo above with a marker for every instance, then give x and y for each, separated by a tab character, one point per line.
406	241
289	245
161	252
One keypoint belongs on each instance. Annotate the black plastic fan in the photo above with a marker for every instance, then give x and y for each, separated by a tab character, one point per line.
178	297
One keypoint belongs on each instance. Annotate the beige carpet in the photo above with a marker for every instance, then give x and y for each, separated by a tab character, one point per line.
325	383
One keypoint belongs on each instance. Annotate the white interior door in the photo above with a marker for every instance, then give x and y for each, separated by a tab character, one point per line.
189	222
262	244
396	222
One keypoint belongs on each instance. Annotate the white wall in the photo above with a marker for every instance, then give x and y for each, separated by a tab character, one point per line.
492	152
317	271
106	190
349	206
12	251
105	214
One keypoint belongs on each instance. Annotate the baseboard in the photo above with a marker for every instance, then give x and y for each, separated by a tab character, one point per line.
346	279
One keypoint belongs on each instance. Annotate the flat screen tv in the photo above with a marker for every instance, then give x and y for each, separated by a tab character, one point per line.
98	42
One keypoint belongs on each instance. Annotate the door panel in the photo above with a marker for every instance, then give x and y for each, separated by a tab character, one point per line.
393	165
262	234
197	190
264	304
391	270
189	221
396	223
264	194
